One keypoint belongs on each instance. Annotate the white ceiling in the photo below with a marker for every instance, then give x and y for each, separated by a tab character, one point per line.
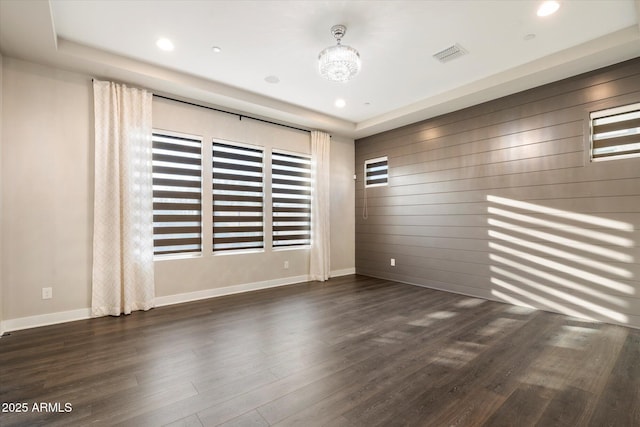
400	81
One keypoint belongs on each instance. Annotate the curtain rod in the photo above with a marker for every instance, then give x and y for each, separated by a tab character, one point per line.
232	113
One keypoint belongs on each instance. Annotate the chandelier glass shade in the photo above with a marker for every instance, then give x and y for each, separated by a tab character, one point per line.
339	63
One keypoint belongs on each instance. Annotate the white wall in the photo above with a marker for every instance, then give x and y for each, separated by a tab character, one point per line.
342	205
47	210
47	180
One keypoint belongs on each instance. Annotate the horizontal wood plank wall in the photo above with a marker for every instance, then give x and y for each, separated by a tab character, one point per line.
501	201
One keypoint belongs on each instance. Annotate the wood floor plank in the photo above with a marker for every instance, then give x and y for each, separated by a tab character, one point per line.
393	364
397	365
191	421
353	351
618	403
522	408
452	389
566	408
249	419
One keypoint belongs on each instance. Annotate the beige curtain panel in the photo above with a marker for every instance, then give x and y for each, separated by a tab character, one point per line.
123	201
319	266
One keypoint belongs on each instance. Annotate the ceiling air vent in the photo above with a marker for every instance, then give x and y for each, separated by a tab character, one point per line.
450	53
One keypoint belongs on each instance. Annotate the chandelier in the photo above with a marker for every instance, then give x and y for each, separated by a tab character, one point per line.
339	63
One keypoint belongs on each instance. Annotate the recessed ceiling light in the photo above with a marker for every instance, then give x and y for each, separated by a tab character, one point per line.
216	49
548	8
340	103
164	44
272	79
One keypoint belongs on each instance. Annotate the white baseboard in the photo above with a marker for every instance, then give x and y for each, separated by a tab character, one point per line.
85	313
45	319
228	290
343	272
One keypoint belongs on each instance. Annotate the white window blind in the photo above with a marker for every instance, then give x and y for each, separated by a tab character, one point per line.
237	197
291	198
177	193
615	132
376	172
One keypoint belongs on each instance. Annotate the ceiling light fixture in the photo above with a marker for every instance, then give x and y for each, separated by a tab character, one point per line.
340	103
339	63
164	44
548	8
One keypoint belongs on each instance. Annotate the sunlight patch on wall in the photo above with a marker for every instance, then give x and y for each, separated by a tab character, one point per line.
588	219
597	280
571	243
572	256
569	284
511	300
567	262
596	235
538	298
548	290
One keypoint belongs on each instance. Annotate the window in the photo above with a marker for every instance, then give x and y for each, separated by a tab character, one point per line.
291	198
177	193
615	132
237	197
376	172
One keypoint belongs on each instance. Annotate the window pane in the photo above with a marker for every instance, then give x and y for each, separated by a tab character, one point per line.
291	199
376	172
177	194
615	132
238	197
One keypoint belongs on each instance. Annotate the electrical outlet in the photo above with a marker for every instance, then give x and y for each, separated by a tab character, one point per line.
393	262
47	293
286	265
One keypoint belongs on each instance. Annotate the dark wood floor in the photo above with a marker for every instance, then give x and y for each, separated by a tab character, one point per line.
354	351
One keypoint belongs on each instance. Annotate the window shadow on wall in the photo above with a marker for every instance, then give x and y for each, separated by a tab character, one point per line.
571	263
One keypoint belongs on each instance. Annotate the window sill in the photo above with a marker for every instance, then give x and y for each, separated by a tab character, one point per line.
238	252
176	256
291	248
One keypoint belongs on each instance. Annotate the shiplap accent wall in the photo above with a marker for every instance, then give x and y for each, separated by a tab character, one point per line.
501	201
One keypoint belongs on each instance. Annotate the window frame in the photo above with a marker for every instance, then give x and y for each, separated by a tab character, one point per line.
611	112
366	171
240	249
166	188
276	197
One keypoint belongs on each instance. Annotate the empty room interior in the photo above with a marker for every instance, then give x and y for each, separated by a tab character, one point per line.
320	213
